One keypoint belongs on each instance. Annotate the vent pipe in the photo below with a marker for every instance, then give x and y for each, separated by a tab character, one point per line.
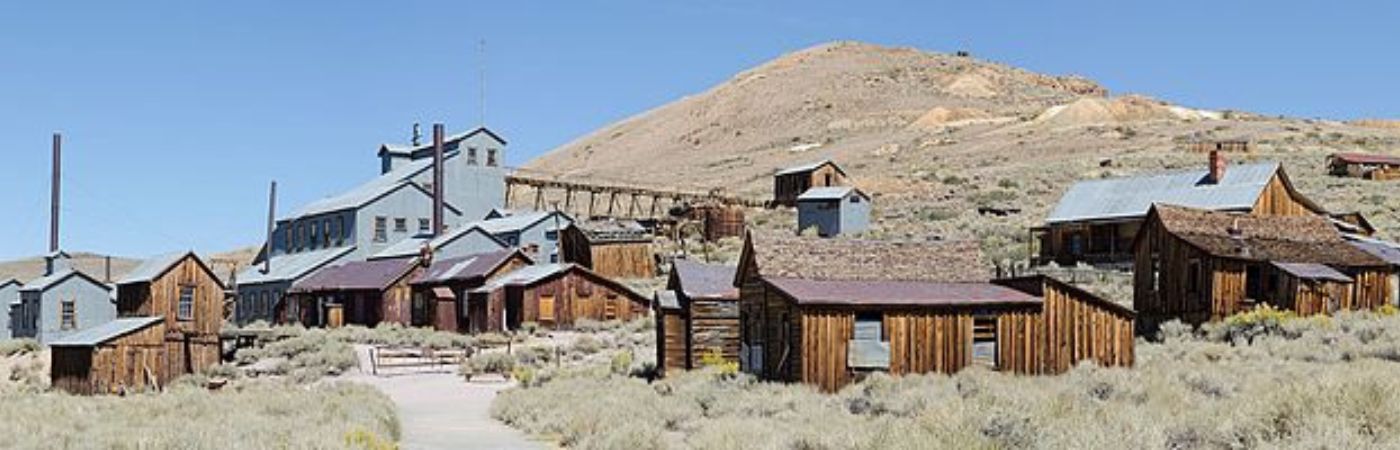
271	224
438	226
107	269
54	186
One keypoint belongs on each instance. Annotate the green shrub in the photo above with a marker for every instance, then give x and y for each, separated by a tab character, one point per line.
491	362
12	347
621	363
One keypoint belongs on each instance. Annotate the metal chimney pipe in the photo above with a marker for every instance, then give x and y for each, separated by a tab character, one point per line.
54	191
438	226
107	269
271	223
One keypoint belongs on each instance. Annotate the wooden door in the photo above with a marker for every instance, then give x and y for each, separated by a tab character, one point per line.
335	315
547	309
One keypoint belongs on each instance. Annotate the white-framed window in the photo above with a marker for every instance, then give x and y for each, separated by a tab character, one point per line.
400	225
381	229
425	225
184	309
471	156
68	315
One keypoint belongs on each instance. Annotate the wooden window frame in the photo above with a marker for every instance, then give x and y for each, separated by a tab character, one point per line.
184	310
67	314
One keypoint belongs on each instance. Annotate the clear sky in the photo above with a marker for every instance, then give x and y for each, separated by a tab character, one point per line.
177	114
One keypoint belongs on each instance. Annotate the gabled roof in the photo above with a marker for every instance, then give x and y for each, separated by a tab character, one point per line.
830	193
531	275
9	282
1366	158
899	293
469	267
521	221
45	282
810	258
666	300
1131	197
709	281
1287	239
411	246
376	275
105	332
599	231
291	266
153	268
809	167
410	149
371	191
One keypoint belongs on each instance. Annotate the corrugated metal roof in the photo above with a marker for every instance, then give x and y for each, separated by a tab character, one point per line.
806	167
402	249
1310	271
667	300
411	246
105	332
47	281
699	280
828	193
292	266
464	268
152	268
524	276
1387	251
899	293
520	221
1129	197
373	275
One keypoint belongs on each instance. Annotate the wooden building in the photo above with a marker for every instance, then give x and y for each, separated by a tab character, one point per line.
183	291
1367	166
1220	145
1198	265
1096	221
697	314
360	292
790	183
123	355
554	296
446	283
611	248
826	312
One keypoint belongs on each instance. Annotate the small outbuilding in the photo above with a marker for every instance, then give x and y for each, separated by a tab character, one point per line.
180	290
1199	265
698	315
791	182
1363	165
612	248
827	312
446	283
119	356
358	292
553	296
833	211
1386	251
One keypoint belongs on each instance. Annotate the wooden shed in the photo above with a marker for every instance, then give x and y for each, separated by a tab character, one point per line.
698	314
124	355
1198	265
446	283
791	182
611	248
1366	166
1096	221
360	293
554	296
826	312
181	290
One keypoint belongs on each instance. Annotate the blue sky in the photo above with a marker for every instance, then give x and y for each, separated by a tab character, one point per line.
177	114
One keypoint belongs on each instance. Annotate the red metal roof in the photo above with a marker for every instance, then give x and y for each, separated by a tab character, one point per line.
1364	158
356	276
900	293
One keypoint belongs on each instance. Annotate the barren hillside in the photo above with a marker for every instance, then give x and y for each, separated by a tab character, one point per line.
25	269
934	136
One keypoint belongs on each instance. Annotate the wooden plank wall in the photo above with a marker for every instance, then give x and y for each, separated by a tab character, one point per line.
129	363
578	297
1277	200
925	342
1372	288
671	341
1068	328
1319	297
623	260
714	325
824	339
1167	295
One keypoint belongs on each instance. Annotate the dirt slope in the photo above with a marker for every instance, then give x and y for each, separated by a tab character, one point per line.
933	136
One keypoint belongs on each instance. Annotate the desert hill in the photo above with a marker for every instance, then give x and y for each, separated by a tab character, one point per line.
95	265
933	136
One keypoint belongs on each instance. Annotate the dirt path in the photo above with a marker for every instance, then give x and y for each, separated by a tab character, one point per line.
441	411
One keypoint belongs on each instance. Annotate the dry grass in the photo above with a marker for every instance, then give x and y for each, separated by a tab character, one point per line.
252	415
1260	381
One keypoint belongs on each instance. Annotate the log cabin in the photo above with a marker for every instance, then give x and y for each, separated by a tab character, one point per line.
359	293
1096	221
552	296
1365	166
698	314
446	283
611	248
791	182
183	291
829	311
1198	265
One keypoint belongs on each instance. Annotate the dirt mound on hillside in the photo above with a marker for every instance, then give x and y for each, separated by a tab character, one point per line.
940	118
1108	111
975	85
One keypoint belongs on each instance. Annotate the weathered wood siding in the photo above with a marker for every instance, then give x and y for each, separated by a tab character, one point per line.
1372	288
926	342
624	259
1278	200
130	363
576	297
823	337
671	344
192	345
1069	327
713	326
786	188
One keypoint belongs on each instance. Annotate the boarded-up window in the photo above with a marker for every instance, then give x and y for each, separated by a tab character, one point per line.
867	349
547	308
984	340
185	308
68	315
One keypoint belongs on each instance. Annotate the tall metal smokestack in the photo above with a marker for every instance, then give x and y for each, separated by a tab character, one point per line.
54	191
438	226
271	223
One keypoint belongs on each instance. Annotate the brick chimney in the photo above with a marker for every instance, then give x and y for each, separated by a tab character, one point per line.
1217	166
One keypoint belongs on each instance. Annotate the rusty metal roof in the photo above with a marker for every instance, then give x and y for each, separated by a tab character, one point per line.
899	293
375	275
1309	271
1366	158
465	268
700	280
